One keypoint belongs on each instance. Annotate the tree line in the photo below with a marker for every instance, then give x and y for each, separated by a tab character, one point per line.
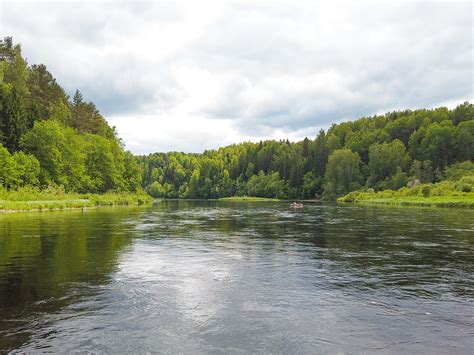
48	139
381	152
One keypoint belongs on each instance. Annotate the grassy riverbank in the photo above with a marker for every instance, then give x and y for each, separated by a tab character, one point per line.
443	194
28	199
246	199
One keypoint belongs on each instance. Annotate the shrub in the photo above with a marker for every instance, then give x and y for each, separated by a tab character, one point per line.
458	170
465	184
425	190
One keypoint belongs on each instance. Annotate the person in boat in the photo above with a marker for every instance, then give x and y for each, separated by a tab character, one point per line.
296	205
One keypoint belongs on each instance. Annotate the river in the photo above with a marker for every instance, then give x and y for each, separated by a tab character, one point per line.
229	277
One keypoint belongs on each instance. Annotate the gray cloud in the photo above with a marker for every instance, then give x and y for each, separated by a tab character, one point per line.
391	56
267	68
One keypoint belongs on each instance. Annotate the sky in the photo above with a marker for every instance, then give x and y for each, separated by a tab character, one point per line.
199	75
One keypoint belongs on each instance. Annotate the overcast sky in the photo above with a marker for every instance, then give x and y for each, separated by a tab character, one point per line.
201	75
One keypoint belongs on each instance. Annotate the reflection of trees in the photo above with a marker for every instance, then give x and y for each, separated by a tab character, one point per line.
43	256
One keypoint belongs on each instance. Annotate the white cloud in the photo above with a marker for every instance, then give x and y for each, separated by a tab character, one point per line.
204	74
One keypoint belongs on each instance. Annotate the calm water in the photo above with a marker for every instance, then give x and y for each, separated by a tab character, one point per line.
208	277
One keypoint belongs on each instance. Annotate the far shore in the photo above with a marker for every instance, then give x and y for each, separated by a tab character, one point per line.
433	201
247	199
91	201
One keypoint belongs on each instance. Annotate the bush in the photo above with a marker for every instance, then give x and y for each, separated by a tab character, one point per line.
466	184
425	190
459	170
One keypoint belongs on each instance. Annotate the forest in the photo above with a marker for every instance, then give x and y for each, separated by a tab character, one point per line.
390	151
50	141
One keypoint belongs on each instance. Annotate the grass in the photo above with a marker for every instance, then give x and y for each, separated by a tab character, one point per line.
442	194
246	199
30	199
435	201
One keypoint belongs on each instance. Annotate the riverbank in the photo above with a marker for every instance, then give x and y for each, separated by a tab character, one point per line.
430	195
246	199
428	202
35	200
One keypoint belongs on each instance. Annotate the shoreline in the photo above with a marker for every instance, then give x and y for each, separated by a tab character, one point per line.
404	202
100	201
247	199
6	211
65	202
56	209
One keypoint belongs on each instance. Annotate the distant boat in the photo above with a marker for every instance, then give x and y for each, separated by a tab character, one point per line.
296	205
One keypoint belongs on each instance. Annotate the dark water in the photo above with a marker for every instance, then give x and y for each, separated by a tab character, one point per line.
208	277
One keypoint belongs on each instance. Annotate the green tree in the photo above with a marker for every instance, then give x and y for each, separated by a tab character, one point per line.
13	123
194	184
100	165
464	140
398	180
156	190
463	112
59	151
319	154
45	93
85	118
438	144
132	173
9	176
385	159
274	186
343	171
15	68
28	169
312	187
250	170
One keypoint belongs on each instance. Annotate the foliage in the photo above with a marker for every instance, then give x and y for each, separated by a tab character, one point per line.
342	172
386	160
459	170
390	151
447	193
46	139
29	198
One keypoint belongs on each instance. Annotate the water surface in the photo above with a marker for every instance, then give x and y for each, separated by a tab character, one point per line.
209	277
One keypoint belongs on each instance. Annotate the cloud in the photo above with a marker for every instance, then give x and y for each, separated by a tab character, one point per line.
196	76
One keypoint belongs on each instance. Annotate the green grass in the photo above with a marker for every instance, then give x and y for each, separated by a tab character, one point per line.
246	199
29	199
442	194
435	201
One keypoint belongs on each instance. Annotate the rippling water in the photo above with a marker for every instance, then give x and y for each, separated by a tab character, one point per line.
209	277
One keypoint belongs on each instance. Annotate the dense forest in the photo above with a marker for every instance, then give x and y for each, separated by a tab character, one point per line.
48	139
390	151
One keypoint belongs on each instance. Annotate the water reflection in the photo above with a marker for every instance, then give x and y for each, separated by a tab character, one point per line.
231	277
49	261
